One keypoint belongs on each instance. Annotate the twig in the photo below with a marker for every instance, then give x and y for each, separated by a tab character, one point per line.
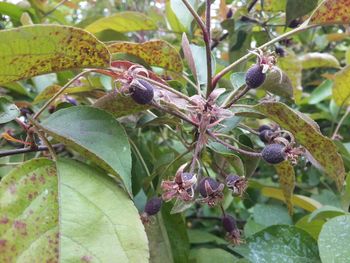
233	148
28	150
335	133
251	5
223	72
206	37
55	8
177	114
58	93
44	139
181	95
207	41
236	97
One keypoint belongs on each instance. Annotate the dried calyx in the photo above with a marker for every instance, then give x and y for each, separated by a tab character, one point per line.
236	184
211	191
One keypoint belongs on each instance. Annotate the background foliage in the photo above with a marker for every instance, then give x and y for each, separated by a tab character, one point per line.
78	165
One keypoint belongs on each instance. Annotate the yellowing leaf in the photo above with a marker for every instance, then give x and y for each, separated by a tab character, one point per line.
341	87
321	148
33	50
298	200
52	90
155	53
286	176
319	60
123	22
331	11
292	67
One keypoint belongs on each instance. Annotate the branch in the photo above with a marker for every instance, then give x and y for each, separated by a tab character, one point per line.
28	150
207	40
249	55
206	37
233	148
58	93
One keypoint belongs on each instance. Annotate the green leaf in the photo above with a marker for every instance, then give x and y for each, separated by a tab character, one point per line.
331	12
292	67
325	212
286	178
319	60
341	91
320	147
281	87
181	12
201	237
280	243
176	229
99	223
210	255
200	61
301	201
123	22
333	241
8	110
313	228
322	92
26	52
237	79
274	6
232	158
13	11
268	215
298	8
53	89
159	245
155	53
96	135
251	227
29	213
186	48
118	105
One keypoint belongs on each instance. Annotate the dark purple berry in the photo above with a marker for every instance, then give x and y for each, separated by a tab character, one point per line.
229	13
229	223
255	77
274	153
264	127
265	135
294	23
153	206
141	91
214	185
280	51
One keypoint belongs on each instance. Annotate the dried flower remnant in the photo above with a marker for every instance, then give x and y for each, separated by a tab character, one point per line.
236	184
211	191
182	186
233	233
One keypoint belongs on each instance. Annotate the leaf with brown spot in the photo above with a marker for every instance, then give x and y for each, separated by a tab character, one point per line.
320	147
53	89
331	11
33	50
341	87
155	53
286	177
29	213
123	22
119	105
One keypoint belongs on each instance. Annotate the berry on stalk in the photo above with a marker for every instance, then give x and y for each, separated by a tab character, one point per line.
230	226
152	207
274	153
255	76
141	91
